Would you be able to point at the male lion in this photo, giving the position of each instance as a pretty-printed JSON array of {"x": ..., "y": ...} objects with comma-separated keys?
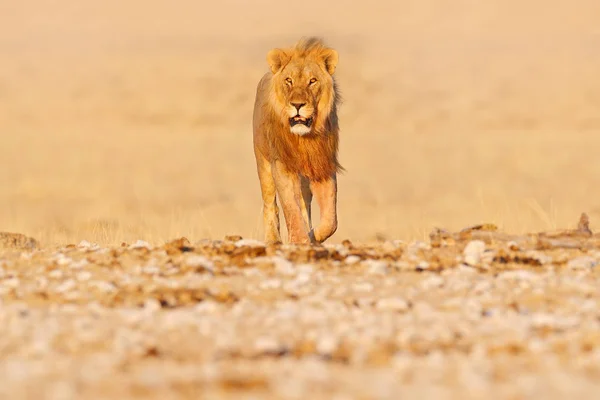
[{"x": 296, "y": 140}]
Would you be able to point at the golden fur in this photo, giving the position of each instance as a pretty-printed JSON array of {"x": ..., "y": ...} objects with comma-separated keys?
[{"x": 296, "y": 130}]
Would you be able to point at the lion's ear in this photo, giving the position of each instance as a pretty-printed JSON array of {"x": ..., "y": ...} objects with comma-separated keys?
[
  {"x": 277, "y": 58},
  {"x": 330, "y": 58}
]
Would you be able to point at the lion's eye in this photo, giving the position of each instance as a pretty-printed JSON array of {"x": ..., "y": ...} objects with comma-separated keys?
[
  {"x": 288, "y": 81},
  {"x": 313, "y": 80}
]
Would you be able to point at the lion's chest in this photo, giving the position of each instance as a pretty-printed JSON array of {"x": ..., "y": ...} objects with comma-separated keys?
[{"x": 311, "y": 156}]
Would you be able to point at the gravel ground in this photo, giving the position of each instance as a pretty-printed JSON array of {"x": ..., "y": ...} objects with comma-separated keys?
[{"x": 466, "y": 315}]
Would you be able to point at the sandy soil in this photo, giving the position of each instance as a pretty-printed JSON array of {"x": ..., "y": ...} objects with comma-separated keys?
[
  {"x": 477, "y": 314},
  {"x": 132, "y": 120}
]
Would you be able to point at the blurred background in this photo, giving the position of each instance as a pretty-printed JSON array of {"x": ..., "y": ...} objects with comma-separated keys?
[{"x": 127, "y": 119}]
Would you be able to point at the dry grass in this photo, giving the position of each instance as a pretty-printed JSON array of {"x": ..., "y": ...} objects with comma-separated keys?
[{"x": 132, "y": 120}]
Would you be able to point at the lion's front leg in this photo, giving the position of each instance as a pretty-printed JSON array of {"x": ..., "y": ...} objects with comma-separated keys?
[
  {"x": 305, "y": 204},
  {"x": 326, "y": 194},
  {"x": 289, "y": 191},
  {"x": 267, "y": 189}
]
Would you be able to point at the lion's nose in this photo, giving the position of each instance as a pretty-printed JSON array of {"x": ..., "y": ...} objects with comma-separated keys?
[{"x": 298, "y": 105}]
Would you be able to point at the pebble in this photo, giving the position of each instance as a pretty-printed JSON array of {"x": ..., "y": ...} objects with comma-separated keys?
[
  {"x": 350, "y": 260},
  {"x": 392, "y": 303},
  {"x": 66, "y": 286},
  {"x": 198, "y": 261},
  {"x": 283, "y": 266},
  {"x": 422, "y": 265},
  {"x": 84, "y": 276},
  {"x": 376, "y": 267},
  {"x": 583, "y": 262},
  {"x": 473, "y": 252},
  {"x": 270, "y": 284},
  {"x": 327, "y": 344},
  {"x": 249, "y": 243},
  {"x": 363, "y": 287},
  {"x": 266, "y": 344},
  {"x": 140, "y": 244}
]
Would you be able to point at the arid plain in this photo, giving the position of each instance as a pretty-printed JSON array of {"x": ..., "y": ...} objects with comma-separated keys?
[
  {"x": 125, "y": 125},
  {"x": 132, "y": 120}
]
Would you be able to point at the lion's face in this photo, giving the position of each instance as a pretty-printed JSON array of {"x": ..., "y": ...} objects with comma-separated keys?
[{"x": 303, "y": 87}]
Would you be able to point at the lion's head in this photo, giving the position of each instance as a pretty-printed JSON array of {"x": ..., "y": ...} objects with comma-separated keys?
[{"x": 303, "y": 88}]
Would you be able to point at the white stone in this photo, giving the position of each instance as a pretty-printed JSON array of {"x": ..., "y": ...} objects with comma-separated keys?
[
  {"x": 393, "y": 303},
  {"x": 350, "y": 260},
  {"x": 198, "y": 261},
  {"x": 140, "y": 244},
  {"x": 473, "y": 252},
  {"x": 327, "y": 344},
  {"x": 66, "y": 286},
  {"x": 249, "y": 243},
  {"x": 363, "y": 287},
  {"x": 283, "y": 266},
  {"x": 84, "y": 276},
  {"x": 583, "y": 262},
  {"x": 266, "y": 344},
  {"x": 270, "y": 284},
  {"x": 376, "y": 267},
  {"x": 79, "y": 264}
]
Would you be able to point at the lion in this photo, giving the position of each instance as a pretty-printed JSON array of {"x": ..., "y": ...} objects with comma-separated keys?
[{"x": 295, "y": 137}]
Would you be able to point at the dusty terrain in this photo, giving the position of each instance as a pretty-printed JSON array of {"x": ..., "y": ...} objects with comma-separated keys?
[{"x": 476, "y": 314}]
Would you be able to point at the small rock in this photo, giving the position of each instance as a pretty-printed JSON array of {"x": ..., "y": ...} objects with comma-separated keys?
[
  {"x": 66, "y": 286},
  {"x": 12, "y": 282},
  {"x": 421, "y": 265},
  {"x": 55, "y": 274},
  {"x": 363, "y": 287},
  {"x": 432, "y": 282},
  {"x": 207, "y": 307},
  {"x": 521, "y": 275},
  {"x": 539, "y": 256},
  {"x": 249, "y": 243},
  {"x": 473, "y": 252},
  {"x": 61, "y": 259},
  {"x": 151, "y": 270},
  {"x": 270, "y": 284},
  {"x": 233, "y": 238},
  {"x": 393, "y": 303},
  {"x": 327, "y": 344},
  {"x": 376, "y": 267},
  {"x": 151, "y": 305},
  {"x": 583, "y": 262},
  {"x": 305, "y": 269},
  {"x": 283, "y": 266},
  {"x": 302, "y": 278},
  {"x": 512, "y": 245},
  {"x": 266, "y": 345},
  {"x": 402, "y": 265},
  {"x": 79, "y": 264},
  {"x": 84, "y": 244},
  {"x": 140, "y": 244},
  {"x": 197, "y": 261},
  {"x": 84, "y": 276},
  {"x": 105, "y": 286},
  {"x": 352, "y": 260}
]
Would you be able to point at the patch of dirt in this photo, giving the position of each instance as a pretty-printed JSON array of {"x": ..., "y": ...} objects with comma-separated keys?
[{"x": 469, "y": 313}]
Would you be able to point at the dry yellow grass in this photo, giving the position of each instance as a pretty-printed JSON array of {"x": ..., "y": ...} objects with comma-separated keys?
[{"x": 132, "y": 120}]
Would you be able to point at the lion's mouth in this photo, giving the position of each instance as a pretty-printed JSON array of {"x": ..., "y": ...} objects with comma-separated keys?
[{"x": 301, "y": 120}]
